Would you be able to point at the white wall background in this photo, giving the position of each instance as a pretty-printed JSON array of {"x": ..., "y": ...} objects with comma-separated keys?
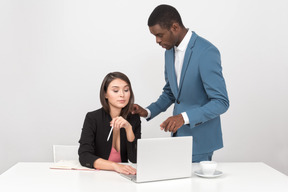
[{"x": 54, "y": 55}]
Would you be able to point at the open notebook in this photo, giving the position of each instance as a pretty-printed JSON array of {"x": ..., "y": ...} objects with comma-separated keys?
[{"x": 69, "y": 165}]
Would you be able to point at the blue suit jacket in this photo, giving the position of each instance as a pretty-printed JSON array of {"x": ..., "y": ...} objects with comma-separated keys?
[{"x": 201, "y": 94}]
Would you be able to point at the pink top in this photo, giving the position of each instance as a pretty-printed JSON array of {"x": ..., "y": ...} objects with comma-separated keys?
[{"x": 115, "y": 156}]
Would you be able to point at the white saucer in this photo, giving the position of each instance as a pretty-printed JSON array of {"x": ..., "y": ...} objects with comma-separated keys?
[{"x": 216, "y": 174}]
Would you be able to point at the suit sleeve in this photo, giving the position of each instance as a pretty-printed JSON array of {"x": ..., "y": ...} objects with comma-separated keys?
[
  {"x": 132, "y": 146},
  {"x": 214, "y": 84},
  {"x": 165, "y": 100},
  {"x": 86, "y": 150}
]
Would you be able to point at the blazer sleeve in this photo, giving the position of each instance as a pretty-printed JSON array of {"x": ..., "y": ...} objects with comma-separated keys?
[
  {"x": 86, "y": 150},
  {"x": 165, "y": 100},
  {"x": 214, "y": 84},
  {"x": 132, "y": 146}
]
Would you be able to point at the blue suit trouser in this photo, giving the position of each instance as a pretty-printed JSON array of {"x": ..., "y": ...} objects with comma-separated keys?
[{"x": 202, "y": 157}]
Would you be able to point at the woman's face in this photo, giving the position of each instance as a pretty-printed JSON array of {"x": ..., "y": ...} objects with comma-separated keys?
[{"x": 118, "y": 94}]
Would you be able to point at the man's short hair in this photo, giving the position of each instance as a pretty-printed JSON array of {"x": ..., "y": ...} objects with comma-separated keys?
[{"x": 165, "y": 16}]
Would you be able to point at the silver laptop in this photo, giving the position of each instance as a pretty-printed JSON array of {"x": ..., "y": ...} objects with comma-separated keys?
[{"x": 163, "y": 158}]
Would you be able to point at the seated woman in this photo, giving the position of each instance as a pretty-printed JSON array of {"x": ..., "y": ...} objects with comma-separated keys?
[{"x": 100, "y": 150}]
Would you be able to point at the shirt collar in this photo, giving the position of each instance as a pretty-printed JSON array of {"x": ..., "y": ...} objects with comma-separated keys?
[{"x": 184, "y": 43}]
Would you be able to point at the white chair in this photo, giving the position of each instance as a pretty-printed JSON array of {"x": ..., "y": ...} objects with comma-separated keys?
[{"x": 65, "y": 152}]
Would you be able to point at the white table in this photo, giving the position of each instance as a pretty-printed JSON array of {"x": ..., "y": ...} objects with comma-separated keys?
[{"x": 244, "y": 177}]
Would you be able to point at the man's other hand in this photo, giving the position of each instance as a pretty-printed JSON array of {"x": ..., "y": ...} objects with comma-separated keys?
[{"x": 173, "y": 123}]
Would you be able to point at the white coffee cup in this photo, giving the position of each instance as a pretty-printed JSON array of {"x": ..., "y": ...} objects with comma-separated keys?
[{"x": 208, "y": 167}]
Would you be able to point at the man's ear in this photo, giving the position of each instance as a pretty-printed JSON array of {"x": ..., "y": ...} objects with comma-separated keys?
[{"x": 175, "y": 27}]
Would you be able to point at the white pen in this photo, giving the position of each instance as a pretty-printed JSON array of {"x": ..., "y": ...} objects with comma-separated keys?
[{"x": 109, "y": 133}]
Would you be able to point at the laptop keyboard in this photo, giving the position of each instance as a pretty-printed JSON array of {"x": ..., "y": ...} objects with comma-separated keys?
[{"x": 131, "y": 177}]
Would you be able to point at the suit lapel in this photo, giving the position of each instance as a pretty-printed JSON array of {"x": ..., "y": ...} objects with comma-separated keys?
[
  {"x": 171, "y": 73},
  {"x": 187, "y": 58}
]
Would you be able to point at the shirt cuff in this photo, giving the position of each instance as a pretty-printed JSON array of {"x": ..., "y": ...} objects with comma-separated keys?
[
  {"x": 149, "y": 113},
  {"x": 185, "y": 117}
]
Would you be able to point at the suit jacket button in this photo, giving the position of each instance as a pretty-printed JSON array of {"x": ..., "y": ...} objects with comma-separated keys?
[
  {"x": 198, "y": 123},
  {"x": 178, "y": 102}
]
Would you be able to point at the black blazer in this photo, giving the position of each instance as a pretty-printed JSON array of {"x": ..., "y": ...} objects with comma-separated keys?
[{"x": 95, "y": 131}]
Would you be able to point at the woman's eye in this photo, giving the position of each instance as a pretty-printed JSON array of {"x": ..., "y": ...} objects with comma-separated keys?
[
  {"x": 115, "y": 91},
  {"x": 126, "y": 90}
]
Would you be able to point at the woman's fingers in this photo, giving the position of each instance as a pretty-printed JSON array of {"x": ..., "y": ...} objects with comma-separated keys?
[
  {"x": 130, "y": 170},
  {"x": 118, "y": 122},
  {"x": 126, "y": 169}
]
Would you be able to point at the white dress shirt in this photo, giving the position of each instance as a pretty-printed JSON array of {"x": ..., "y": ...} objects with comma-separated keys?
[{"x": 179, "y": 59}]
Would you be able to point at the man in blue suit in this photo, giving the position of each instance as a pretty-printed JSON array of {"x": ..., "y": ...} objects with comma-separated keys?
[{"x": 194, "y": 84}]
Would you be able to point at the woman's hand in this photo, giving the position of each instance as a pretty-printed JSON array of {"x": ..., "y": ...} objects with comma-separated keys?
[
  {"x": 126, "y": 169},
  {"x": 119, "y": 122}
]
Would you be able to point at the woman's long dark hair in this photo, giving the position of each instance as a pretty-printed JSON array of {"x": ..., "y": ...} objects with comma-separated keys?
[{"x": 103, "y": 90}]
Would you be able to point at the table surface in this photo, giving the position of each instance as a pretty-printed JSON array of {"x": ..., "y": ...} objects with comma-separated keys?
[{"x": 31, "y": 176}]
